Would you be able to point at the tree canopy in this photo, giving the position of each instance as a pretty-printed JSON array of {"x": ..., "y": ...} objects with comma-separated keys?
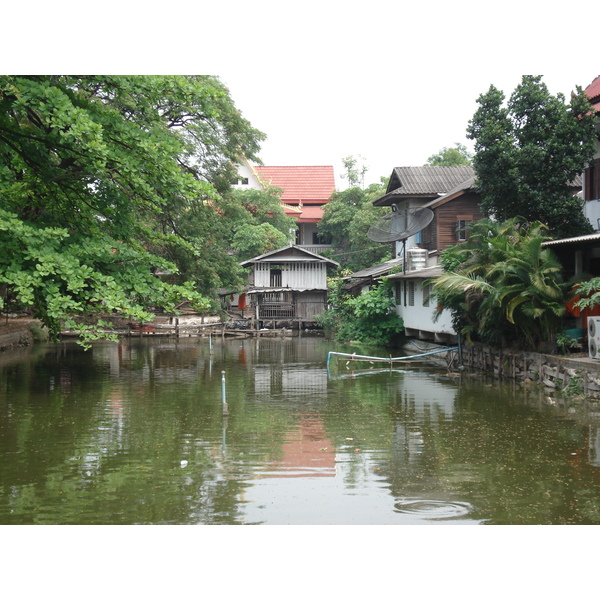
[
  {"x": 459, "y": 155},
  {"x": 347, "y": 218},
  {"x": 107, "y": 183},
  {"x": 529, "y": 152}
]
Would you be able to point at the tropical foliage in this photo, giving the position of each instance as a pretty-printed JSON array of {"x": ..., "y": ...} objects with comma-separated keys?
[
  {"x": 369, "y": 318},
  {"x": 112, "y": 186},
  {"x": 529, "y": 152},
  {"x": 589, "y": 293},
  {"x": 347, "y": 218},
  {"x": 502, "y": 286}
]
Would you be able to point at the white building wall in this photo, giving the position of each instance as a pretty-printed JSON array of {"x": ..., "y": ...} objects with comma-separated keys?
[
  {"x": 591, "y": 210},
  {"x": 421, "y": 317},
  {"x": 262, "y": 275},
  {"x": 297, "y": 276},
  {"x": 245, "y": 172},
  {"x": 304, "y": 276}
]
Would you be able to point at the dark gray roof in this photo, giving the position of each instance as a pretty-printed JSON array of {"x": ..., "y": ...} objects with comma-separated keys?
[
  {"x": 423, "y": 182},
  {"x": 380, "y": 269},
  {"x": 290, "y": 253},
  {"x": 426, "y": 273},
  {"x": 468, "y": 184}
]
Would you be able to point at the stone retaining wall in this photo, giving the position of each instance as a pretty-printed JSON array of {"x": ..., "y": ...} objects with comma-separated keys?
[{"x": 557, "y": 372}]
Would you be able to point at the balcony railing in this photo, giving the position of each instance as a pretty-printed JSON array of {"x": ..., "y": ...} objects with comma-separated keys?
[{"x": 316, "y": 248}]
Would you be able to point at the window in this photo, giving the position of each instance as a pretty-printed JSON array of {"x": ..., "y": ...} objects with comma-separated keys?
[
  {"x": 425, "y": 235},
  {"x": 591, "y": 185},
  {"x": 461, "y": 230},
  {"x": 411, "y": 292},
  {"x": 426, "y": 295}
]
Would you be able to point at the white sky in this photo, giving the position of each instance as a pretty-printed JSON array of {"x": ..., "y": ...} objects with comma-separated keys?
[{"x": 388, "y": 81}]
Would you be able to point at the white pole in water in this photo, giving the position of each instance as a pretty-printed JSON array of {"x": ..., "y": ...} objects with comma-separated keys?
[
  {"x": 210, "y": 342},
  {"x": 224, "y": 396}
]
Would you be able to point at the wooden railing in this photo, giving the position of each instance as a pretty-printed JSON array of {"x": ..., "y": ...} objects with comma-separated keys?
[{"x": 276, "y": 310}]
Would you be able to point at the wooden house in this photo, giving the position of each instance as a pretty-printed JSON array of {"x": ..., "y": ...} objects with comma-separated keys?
[
  {"x": 449, "y": 193},
  {"x": 288, "y": 285},
  {"x": 424, "y": 187}
]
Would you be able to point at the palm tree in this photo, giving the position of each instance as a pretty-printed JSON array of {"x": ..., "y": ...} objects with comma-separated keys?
[{"x": 502, "y": 286}]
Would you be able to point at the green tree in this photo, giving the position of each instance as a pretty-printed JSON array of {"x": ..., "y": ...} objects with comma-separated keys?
[
  {"x": 369, "y": 318},
  {"x": 528, "y": 153},
  {"x": 502, "y": 286},
  {"x": 98, "y": 175},
  {"x": 347, "y": 218},
  {"x": 355, "y": 175},
  {"x": 258, "y": 221},
  {"x": 231, "y": 227},
  {"x": 459, "y": 155},
  {"x": 253, "y": 240}
]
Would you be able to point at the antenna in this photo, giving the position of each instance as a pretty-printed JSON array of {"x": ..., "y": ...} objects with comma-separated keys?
[{"x": 400, "y": 224}]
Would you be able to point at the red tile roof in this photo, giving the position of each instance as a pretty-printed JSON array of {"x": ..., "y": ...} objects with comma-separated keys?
[
  {"x": 311, "y": 185},
  {"x": 593, "y": 92},
  {"x": 307, "y": 214}
]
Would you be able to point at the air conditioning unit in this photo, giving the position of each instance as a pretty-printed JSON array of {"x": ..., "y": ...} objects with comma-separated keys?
[{"x": 594, "y": 337}]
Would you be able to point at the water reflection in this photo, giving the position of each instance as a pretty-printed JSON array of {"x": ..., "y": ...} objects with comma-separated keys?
[{"x": 135, "y": 433}]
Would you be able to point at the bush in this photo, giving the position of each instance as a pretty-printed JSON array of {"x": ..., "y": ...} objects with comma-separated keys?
[{"x": 368, "y": 319}]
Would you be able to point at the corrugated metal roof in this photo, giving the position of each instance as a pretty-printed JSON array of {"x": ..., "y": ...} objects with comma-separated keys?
[
  {"x": 424, "y": 182},
  {"x": 290, "y": 253},
  {"x": 282, "y": 289},
  {"x": 432, "y": 180},
  {"x": 376, "y": 270},
  {"x": 426, "y": 273},
  {"x": 309, "y": 184},
  {"x": 466, "y": 185},
  {"x": 592, "y": 237}
]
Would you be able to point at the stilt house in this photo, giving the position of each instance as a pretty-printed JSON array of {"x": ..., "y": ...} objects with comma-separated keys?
[{"x": 288, "y": 285}]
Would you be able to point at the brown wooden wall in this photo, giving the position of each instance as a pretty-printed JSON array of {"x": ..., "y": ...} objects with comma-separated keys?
[
  {"x": 310, "y": 304},
  {"x": 441, "y": 233},
  {"x": 591, "y": 180}
]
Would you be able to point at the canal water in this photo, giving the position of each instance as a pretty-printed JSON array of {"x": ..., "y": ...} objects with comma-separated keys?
[{"x": 135, "y": 433}]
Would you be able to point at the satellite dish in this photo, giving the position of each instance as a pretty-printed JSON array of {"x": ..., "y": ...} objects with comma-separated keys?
[{"x": 400, "y": 225}]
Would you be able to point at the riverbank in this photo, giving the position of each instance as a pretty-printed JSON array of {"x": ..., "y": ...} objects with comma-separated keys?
[
  {"x": 580, "y": 375},
  {"x": 18, "y": 332},
  {"x": 575, "y": 375}
]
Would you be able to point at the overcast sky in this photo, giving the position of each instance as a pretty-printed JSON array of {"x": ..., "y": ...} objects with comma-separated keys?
[{"x": 390, "y": 82}]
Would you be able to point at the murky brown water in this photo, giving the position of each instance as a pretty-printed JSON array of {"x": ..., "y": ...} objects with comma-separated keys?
[{"x": 135, "y": 433}]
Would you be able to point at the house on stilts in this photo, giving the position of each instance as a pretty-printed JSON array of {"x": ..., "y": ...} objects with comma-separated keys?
[{"x": 287, "y": 287}]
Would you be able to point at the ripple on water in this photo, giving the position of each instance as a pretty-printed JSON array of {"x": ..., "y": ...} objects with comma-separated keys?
[{"x": 434, "y": 510}]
